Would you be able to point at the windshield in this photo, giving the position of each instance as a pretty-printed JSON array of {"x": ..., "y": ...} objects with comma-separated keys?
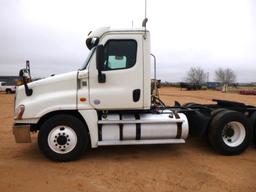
[{"x": 87, "y": 59}]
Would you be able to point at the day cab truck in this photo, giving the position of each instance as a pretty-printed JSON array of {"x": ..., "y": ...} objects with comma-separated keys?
[{"x": 109, "y": 101}]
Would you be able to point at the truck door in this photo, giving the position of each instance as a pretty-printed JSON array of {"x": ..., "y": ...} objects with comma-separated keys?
[{"x": 123, "y": 67}]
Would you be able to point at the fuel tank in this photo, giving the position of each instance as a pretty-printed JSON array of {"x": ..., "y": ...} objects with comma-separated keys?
[{"x": 145, "y": 126}]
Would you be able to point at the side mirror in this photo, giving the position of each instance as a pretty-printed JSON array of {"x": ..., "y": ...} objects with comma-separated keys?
[
  {"x": 100, "y": 63},
  {"x": 100, "y": 57},
  {"x": 24, "y": 74}
]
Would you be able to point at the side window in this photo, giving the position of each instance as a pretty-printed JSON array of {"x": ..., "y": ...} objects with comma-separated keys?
[{"x": 120, "y": 54}]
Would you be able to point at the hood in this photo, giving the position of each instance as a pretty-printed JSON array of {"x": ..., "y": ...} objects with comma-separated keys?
[{"x": 55, "y": 92}]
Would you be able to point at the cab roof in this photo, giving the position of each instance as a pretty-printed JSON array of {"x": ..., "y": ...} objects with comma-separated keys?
[{"x": 100, "y": 31}]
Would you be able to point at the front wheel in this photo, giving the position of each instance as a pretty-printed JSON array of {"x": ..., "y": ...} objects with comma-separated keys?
[
  {"x": 63, "y": 138},
  {"x": 230, "y": 132}
]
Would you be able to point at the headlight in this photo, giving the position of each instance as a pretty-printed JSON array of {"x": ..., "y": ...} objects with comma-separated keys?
[{"x": 19, "y": 112}]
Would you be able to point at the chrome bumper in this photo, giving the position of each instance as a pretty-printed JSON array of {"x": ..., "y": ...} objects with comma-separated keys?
[{"x": 22, "y": 133}]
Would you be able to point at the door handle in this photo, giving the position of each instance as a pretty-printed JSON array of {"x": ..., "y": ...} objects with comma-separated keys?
[{"x": 136, "y": 95}]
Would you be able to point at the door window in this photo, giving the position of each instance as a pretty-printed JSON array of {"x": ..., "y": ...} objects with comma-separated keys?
[{"x": 120, "y": 54}]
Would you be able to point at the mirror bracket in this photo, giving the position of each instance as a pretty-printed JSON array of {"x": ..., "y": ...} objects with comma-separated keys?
[
  {"x": 101, "y": 77},
  {"x": 24, "y": 75},
  {"x": 28, "y": 91}
]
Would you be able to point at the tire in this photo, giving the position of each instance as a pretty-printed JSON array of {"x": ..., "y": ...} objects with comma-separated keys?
[
  {"x": 213, "y": 114},
  {"x": 63, "y": 138},
  {"x": 253, "y": 122},
  {"x": 188, "y": 104},
  {"x": 8, "y": 91},
  {"x": 216, "y": 111},
  {"x": 195, "y": 105},
  {"x": 230, "y": 132}
]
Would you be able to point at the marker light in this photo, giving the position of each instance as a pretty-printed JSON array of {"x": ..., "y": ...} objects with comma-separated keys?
[{"x": 19, "y": 112}]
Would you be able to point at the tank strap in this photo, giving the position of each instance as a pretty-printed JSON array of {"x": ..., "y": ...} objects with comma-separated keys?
[
  {"x": 121, "y": 128},
  {"x": 100, "y": 129},
  {"x": 179, "y": 126},
  {"x": 138, "y": 127},
  {"x": 179, "y": 130}
]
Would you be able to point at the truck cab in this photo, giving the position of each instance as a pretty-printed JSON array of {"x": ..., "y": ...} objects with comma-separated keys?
[{"x": 124, "y": 69}]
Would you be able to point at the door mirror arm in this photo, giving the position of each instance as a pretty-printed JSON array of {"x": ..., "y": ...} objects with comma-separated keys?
[{"x": 101, "y": 77}]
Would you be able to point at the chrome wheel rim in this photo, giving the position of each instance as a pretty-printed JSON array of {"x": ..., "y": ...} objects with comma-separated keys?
[
  {"x": 233, "y": 134},
  {"x": 62, "y": 139}
]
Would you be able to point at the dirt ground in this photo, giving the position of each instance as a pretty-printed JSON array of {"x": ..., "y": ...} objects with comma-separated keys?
[{"x": 193, "y": 166}]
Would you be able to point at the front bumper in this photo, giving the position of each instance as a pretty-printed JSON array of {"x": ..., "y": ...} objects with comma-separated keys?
[{"x": 22, "y": 133}]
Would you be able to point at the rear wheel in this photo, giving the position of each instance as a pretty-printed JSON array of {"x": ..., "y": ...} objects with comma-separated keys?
[
  {"x": 216, "y": 111},
  {"x": 63, "y": 138},
  {"x": 230, "y": 132},
  {"x": 253, "y": 121}
]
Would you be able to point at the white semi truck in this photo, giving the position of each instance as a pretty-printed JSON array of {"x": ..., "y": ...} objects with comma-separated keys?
[{"x": 109, "y": 101}]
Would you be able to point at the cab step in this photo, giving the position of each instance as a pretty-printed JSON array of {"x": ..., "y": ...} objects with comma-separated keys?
[{"x": 141, "y": 142}]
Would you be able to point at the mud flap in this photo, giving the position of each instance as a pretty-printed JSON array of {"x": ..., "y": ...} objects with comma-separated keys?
[
  {"x": 198, "y": 122},
  {"x": 22, "y": 133}
]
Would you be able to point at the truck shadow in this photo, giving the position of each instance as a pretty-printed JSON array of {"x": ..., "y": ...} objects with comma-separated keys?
[
  {"x": 193, "y": 145},
  {"x": 197, "y": 146},
  {"x": 32, "y": 153}
]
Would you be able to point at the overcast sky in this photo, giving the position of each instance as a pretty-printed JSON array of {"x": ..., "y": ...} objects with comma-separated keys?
[{"x": 184, "y": 33}]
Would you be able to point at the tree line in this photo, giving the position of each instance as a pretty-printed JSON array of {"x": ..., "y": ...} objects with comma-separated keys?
[{"x": 197, "y": 75}]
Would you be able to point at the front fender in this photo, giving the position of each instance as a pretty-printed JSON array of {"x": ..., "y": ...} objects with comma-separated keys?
[{"x": 51, "y": 94}]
